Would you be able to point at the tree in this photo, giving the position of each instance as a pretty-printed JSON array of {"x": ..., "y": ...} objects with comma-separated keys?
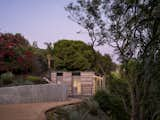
[
  {"x": 72, "y": 55},
  {"x": 76, "y": 55},
  {"x": 15, "y": 53},
  {"x": 81, "y": 14},
  {"x": 90, "y": 24},
  {"x": 49, "y": 56},
  {"x": 132, "y": 27},
  {"x": 104, "y": 66},
  {"x": 49, "y": 53},
  {"x": 39, "y": 60}
]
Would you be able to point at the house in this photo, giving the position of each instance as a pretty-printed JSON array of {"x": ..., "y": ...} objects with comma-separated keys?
[{"x": 79, "y": 83}]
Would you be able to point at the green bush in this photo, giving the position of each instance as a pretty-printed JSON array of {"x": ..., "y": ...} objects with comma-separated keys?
[
  {"x": 35, "y": 79},
  {"x": 87, "y": 110},
  {"x": 6, "y": 78},
  {"x": 21, "y": 81},
  {"x": 118, "y": 86},
  {"x": 112, "y": 105}
]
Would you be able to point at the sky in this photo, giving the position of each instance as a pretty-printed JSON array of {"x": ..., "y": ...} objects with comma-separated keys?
[{"x": 42, "y": 21}]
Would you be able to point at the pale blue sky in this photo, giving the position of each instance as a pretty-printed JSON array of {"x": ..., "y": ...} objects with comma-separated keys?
[{"x": 41, "y": 21}]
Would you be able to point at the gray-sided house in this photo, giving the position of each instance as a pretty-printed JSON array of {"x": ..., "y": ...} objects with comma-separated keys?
[{"x": 79, "y": 83}]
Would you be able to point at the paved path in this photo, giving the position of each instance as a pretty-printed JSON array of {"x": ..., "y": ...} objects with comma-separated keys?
[{"x": 33, "y": 111}]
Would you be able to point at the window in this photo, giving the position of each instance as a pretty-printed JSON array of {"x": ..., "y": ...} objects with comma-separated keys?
[
  {"x": 76, "y": 73},
  {"x": 59, "y": 74}
]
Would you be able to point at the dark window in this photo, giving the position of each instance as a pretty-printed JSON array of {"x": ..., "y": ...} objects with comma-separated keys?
[
  {"x": 59, "y": 74},
  {"x": 76, "y": 73}
]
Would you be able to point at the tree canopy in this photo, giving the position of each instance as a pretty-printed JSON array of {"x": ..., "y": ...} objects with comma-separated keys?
[
  {"x": 76, "y": 55},
  {"x": 72, "y": 55}
]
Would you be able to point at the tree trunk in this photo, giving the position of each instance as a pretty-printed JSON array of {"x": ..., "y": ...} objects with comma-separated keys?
[
  {"x": 134, "y": 111},
  {"x": 135, "y": 103}
]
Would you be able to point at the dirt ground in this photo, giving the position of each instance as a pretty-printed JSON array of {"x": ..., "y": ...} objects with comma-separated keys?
[{"x": 31, "y": 111}]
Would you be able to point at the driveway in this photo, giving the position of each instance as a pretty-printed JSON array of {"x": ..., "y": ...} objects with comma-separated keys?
[{"x": 31, "y": 111}]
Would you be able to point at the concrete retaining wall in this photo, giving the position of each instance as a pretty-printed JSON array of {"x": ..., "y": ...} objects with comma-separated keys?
[{"x": 33, "y": 93}]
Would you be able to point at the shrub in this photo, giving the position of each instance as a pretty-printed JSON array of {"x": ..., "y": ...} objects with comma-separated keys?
[
  {"x": 7, "y": 78},
  {"x": 87, "y": 110},
  {"x": 35, "y": 79},
  {"x": 112, "y": 105},
  {"x": 21, "y": 81}
]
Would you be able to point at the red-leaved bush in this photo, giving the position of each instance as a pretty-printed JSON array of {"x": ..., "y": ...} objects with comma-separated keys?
[{"x": 15, "y": 53}]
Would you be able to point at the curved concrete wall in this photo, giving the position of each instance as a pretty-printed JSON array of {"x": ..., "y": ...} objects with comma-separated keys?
[{"x": 33, "y": 93}]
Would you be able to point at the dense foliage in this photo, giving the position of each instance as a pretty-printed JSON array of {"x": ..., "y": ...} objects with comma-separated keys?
[
  {"x": 18, "y": 58},
  {"x": 72, "y": 55},
  {"x": 76, "y": 55},
  {"x": 15, "y": 53},
  {"x": 112, "y": 105},
  {"x": 132, "y": 28},
  {"x": 87, "y": 110}
]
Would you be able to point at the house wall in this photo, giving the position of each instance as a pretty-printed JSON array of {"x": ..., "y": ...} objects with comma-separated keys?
[
  {"x": 86, "y": 83},
  {"x": 67, "y": 80}
]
